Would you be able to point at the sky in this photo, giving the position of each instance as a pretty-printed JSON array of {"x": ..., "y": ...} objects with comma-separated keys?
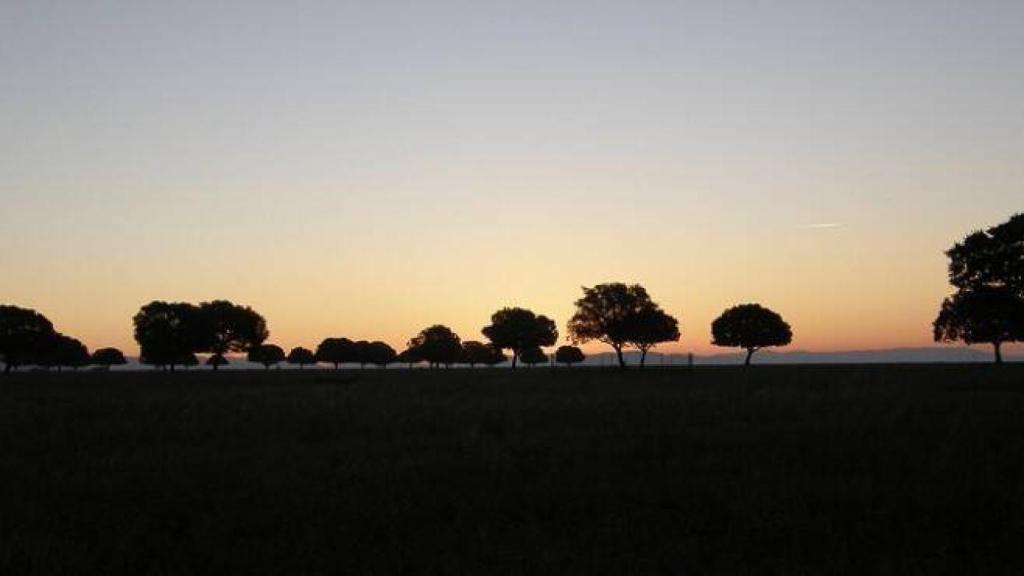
[{"x": 367, "y": 169}]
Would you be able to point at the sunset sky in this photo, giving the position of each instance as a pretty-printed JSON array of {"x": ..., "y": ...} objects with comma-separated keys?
[{"x": 367, "y": 169}]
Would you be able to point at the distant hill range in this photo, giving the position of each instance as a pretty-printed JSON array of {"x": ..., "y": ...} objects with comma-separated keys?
[{"x": 924, "y": 355}]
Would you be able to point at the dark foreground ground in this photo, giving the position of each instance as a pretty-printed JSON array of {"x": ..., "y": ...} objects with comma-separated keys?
[{"x": 784, "y": 470}]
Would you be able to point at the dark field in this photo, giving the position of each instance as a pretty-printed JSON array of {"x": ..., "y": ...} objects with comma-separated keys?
[{"x": 773, "y": 470}]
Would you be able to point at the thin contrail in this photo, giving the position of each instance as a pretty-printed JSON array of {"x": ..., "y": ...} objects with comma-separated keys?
[{"x": 820, "y": 226}]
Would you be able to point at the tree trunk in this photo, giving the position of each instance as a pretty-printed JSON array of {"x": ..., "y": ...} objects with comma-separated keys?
[
  {"x": 750, "y": 352},
  {"x": 7, "y": 367},
  {"x": 618, "y": 354},
  {"x": 515, "y": 355},
  {"x": 643, "y": 356},
  {"x": 999, "y": 352}
]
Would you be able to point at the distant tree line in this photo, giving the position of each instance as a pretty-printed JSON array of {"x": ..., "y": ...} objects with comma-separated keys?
[{"x": 986, "y": 268}]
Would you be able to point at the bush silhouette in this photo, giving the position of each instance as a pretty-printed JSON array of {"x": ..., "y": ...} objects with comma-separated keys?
[
  {"x": 474, "y": 352},
  {"x": 216, "y": 361}
]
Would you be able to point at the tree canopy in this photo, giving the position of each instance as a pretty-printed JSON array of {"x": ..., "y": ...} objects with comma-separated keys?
[
  {"x": 992, "y": 258},
  {"x": 518, "y": 329},
  {"x": 266, "y": 354},
  {"x": 569, "y": 355},
  {"x": 751, "y": 327},
  {"x": 987, "y": 269},
  {"x": 168, "y": 333},
  {"x": 619, "y": 315},
  {"x": 335, "y": 351},
  {"x": 533, "y": 355},
  {"x": 23, "y": 335},
  {"x": 301, "y": 357},
  {"x": 60, "y": 351},
  {"x": 649, "y": 327},
  {"x": 226, "y": 327},
  {"x": 437, "y": 345},
  {"x": 474, "y": 352},
  {"x": 983, "y": 315},
  {"x": 108, "y": 357}
]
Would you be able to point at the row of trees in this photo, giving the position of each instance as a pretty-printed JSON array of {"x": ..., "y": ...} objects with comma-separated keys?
[
  {"x": 28, "y": 338},
  {"x": 171, "y": 334},
  {"x": 987, "y": 270}
]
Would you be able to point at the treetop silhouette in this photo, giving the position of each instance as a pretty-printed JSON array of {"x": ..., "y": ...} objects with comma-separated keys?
[
  {"x": 518, "y": 329},
  {"x": 751, "y": 327}
]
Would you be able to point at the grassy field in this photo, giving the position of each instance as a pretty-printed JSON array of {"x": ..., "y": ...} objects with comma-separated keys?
[{"x": 772, "y": 470}]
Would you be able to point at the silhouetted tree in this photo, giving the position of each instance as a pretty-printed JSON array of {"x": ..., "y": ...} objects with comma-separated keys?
[
  {"x": 227, "y": 327},
  {"x": 362, "y": 353},
  {"x": 335, "y": 351},
  {"x": 474, "y": 352},
  {"x": 533, "y": 355},
  {"x": 607, "y": 313},
  {"x": 266, "y": 354},
  {"x": 302, "y": 357},
  {"x": 63, "y": 351},
  {"x": 569, "y": 355},
  {"x": 108, "y": 357},
  {"x": 983, "y": 315},
  {"x": 381, "y": 354},
  {"x": 518, "y": 329},
  {"x": 987, "y": 268},
  {"x": 751, "y": 327},
  {"x": 993, "y": 258},
  {"x": 23, "y": 333},
  {"x": 217, "y": 360},
  {"x": 437, "y": 345},
  {"x": 409, "y": 356},
  {"x": 168, "y": 333},
  {"x": 649, "y": 327}
]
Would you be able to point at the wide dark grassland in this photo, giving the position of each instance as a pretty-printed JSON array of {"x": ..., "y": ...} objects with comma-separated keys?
[{"x": 771, "y": 470}]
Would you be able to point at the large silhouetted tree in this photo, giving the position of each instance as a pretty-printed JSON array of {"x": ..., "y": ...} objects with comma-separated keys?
[
  {"x": 168, "y": 333},
  {"x": 107, "y": 357},
  {"x": 23, "y": 334},
  {"x": 474, "y": 352},
  {"x": 518, "y": 329},
  {"x": 266, "y": 354},
  {"x": 649, "y": 327},
  {"x": 227, "y": 327},
  {"x": 609, "y": 313},
  {"x": 751, "y": 327},
  {"x": 437, "y": 345},
  {"x": 335, "y": 351},
  {"x": 362, "y": 351},
  {"x": 984, "y": 315},
  {"x": 301, "y": 357},
  {"x": 987, "y": 268},
  {"x": 569, "y": 355}
]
